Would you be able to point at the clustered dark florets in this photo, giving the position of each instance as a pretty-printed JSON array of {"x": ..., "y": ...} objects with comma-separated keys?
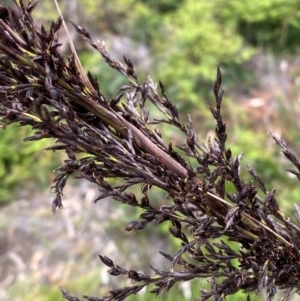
[{"x": 115, "y": 139}]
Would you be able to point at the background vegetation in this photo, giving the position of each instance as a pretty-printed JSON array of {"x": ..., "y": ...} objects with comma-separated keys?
[{"x": 181, "y": 43}]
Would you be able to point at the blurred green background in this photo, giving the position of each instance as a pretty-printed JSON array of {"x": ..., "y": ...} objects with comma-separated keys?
[{"x": 180, "y": 42}]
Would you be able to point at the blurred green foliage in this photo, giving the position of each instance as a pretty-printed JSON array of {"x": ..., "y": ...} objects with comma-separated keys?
[
  {"x": 272, "y": 24},
  {"x": 23, "y": 164},
  {"x": 189, "y": 38}
]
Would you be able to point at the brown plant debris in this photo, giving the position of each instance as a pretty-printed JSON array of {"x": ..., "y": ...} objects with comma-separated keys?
[{"x": 115, "y": 139}]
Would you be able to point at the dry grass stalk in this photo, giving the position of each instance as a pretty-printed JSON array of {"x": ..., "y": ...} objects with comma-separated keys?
[{"x": 49, "y": 92}]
